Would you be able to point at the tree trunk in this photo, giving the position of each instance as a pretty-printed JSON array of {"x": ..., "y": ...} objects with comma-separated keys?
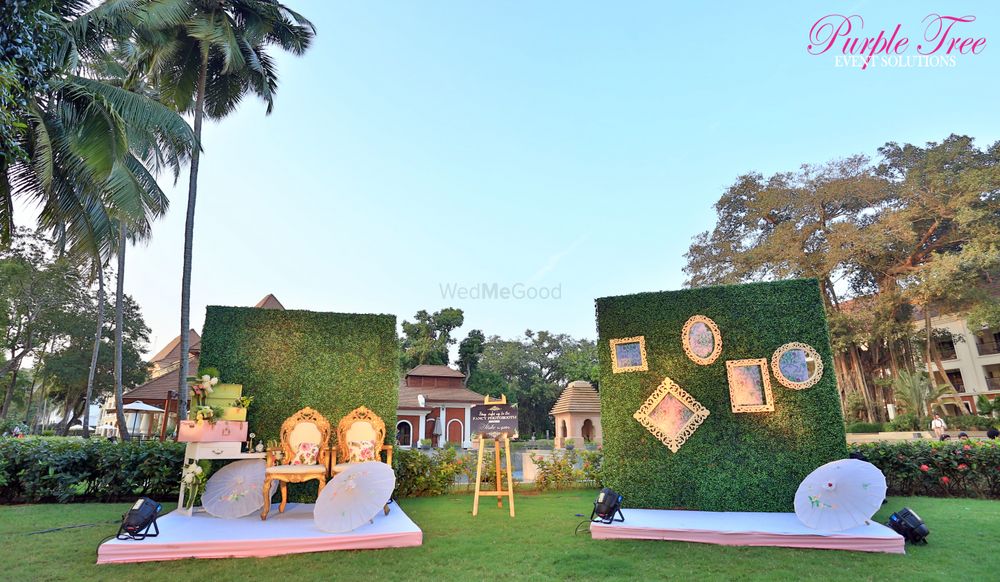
[
  {"x": 9, "y": 397},
  {"x": 199, "y": 114},
  {"x": 119, "y": 322},
  {"x": 97, "y": 349}
]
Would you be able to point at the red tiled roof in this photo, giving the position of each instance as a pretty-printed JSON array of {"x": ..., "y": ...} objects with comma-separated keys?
[
  {"x": 270, "y": 302},
  {"x": 172, "y": 352},
  {"x": 434, "y": 396},
  {"x": 437, "y": 371},
  {"x": 157, "y": 388}
]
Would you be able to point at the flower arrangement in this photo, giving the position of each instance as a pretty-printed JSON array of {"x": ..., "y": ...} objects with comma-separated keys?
[
  {"x": 193, "y": 480},
  {"x": 242, "y": 402},
  {"x": 210, "y": 414},
  {"x": 202, "y": 386}
]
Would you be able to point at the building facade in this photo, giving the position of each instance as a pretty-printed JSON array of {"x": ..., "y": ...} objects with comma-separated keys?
[
  {"x": 435, "y": 404},
  {"x": 970, "y": 358}
]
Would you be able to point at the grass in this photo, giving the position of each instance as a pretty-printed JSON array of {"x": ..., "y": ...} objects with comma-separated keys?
[{"x": 538, "y": 544}]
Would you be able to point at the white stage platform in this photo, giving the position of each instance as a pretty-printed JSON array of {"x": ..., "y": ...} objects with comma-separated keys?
[
  {"x": 745, "y": 529},
  {"x": 292, "y": 532}
]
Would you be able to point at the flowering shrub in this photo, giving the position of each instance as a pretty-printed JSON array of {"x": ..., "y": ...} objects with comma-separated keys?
[
  {"x": 41, "y": 469},
  {"x": 943, "y": 469},
  {"x": 419, "y": 475},
  {"x": 593, "y": 462},
  {"x": 558, "y": 472}
]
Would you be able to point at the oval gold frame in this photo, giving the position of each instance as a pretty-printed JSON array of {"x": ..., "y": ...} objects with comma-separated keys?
[
  {"x": 811, "y": 351},
  {"x": 716, "y": 336}
]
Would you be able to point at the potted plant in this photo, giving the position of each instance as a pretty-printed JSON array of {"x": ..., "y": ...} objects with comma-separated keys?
[
  {"x": 569, "y": 445},
  {"x": 425, "y": 443},
  {"x": 238, "y": 409}
]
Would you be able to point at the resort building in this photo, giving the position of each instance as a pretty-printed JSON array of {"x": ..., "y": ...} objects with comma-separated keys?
[
  {"x": 435, "y": 404},
  {"x": 970, "y": 358}
]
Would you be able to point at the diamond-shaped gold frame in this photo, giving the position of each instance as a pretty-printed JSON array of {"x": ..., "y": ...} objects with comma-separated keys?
[{"x": 673, "y": 441}]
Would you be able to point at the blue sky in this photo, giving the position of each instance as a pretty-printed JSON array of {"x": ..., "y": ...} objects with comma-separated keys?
[{"x": 577, "y": 144}]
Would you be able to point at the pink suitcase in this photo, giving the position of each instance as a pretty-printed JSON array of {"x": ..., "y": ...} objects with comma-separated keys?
[{"x": 223, "y": 431}]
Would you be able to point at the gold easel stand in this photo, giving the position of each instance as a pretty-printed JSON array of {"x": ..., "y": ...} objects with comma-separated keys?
[{"x": 499, "y": 493}]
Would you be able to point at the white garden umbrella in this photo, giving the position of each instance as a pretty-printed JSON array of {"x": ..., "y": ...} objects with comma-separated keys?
[
  {"x": 354, "y": 497},
  {"x": 236, "y": 490},
  {"x": 140, "y": 406},
  {"x": 840, "y": 495}
]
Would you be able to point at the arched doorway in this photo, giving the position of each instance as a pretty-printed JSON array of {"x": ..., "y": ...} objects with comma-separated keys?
[
  {"x": 563, "y": 432},
  {"x": 588, "y": 430},
  {"x": 404, "y": 433},
  {"x": 455, "y": 431}
]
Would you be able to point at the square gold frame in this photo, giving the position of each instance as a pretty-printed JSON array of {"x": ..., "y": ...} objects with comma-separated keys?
[
  {"x": 765, "y": 375},
  {"x": 641, "y": 340},
  {"x": 673, "y": 441}
]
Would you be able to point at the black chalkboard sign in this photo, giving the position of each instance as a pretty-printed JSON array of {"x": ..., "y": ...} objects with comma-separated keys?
[{"x": 493, "y": 420}]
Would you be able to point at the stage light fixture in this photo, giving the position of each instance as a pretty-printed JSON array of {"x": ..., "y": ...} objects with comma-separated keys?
[
  {"x": 908, "y": 524},
  {"x": 608, "y": 504},
  {"x": 137, "y": 521}
]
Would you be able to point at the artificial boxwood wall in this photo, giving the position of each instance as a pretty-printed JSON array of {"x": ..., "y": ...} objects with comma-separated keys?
[
  {"x": 333, "y": 362},
  {"x": 732, "y": 462}
]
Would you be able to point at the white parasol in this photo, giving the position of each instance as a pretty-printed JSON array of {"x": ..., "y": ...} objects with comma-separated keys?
[
  {"x": 236, "y": 490},
  {"x": 354, "y": 497},
  {"x": 840, "y": 495}
]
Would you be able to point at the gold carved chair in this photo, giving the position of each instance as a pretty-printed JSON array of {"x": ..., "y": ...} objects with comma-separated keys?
[
  {"x": 305, "y": 448},
  {"x": 361, "y": 438}
]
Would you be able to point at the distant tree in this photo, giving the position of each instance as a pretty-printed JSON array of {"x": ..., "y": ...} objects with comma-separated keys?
[
  {"x": 470, "y": 351},
  {"x": 427, "y": 339},
  {"x": 920, "y": 229},
  {"x": 532, "y": 371}
]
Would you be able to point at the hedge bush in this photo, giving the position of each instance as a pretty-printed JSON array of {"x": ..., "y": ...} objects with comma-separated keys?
[
  {"x": 333, "y": 362},
  {"x": 46, "y": 469},
  {"x": 969, "y": 468},
  {"x": 865, "y": 427},
  {"x": 732, "y": 462},
  {"x": 419, "y": 475}
]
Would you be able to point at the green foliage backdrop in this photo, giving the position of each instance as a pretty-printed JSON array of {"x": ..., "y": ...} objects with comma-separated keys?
[
  {"x": 333, "y": 362},
  {"x": 732, "y": 462}
]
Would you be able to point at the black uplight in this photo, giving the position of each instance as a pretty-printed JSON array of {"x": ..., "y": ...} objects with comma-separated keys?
[
  {"x": 908, "y": 524},
  {"x": 607, "y": 505}
]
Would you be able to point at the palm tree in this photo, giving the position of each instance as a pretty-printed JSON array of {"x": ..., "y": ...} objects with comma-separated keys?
[
  {"x": 205, "y": 56},
  {"x": 915, "y": 392},
  {"x": 93, "y": 146}
]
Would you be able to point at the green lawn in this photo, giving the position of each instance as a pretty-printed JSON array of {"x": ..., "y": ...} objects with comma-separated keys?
[{"x": 538, "y": 544}]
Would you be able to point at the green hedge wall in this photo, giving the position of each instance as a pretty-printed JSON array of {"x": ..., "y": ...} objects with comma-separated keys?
[
  {"x": 732, "y": 462},
  {"x": 333, "y": 362}
]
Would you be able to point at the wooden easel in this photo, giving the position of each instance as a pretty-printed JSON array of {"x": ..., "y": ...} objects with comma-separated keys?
[{"x": 499, "y": 493}]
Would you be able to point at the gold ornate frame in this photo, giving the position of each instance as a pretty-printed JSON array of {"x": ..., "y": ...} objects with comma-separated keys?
[
  {"x": 716, "y": 336},
  {"x": 811, "y": 351},
  {"x": 668, "y": 387},
  {"x": 761, "y": 363},
  {"x": 641, "y": 340}
]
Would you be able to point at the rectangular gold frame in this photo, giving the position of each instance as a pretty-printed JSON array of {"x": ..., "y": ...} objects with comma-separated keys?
[
  {"x": 641, "y": 340},
  {"x": 765, "y": 375}
]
